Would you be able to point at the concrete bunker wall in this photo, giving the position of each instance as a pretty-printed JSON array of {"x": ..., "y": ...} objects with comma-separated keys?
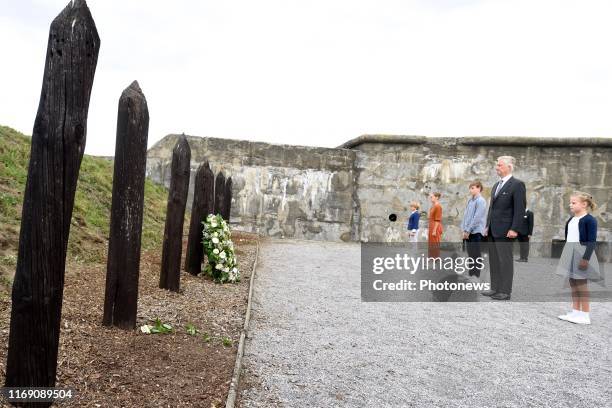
[{"x": 278, "y": 190}]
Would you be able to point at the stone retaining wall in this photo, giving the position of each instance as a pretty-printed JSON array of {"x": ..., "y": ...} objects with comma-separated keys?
[{"x": 391, "y": 174}]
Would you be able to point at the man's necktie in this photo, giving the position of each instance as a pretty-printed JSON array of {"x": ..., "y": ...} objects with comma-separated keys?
[{"x": 499, "y": 187}]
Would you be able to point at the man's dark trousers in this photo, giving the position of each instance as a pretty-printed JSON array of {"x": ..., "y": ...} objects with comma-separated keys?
[
  {"x": 501, "y": 264},
  {"x": 473, "y": 250}
]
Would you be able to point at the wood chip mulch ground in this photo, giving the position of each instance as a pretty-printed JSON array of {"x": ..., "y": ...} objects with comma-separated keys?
[{"x": 117, "y": 368}]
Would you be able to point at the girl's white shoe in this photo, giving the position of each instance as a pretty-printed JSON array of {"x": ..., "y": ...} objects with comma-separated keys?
[
  {"x": 579, "y": 318},
  {"x": 568, "y": 314}
]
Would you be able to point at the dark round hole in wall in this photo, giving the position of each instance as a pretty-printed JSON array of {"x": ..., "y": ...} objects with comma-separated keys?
[{"x": 392, "y": 217}]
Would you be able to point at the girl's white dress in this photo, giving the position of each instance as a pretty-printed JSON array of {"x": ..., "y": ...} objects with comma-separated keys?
[{"x": 573, "y": 252}]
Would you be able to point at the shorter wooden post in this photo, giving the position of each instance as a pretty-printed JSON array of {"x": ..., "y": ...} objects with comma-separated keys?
[
  {"x": 219, "y": 193},
  {"x": 227, "y": 200},
  {"x": 123, "y": 265},
  {"x": 175, "y": 216},
  {"x": 195, "y": 250}
]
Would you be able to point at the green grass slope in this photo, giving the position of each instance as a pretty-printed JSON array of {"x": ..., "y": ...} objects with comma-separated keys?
[{"x": 90, "y": 218}]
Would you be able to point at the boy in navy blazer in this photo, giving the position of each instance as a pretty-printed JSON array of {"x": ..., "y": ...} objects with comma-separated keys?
[{"x": 413, "y": 222}]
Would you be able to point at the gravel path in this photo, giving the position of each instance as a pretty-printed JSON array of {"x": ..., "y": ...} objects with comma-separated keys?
[{"x": 313, "y": 342}]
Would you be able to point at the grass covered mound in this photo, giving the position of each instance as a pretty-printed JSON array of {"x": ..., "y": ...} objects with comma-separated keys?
[{"x": 91, "y": 215}]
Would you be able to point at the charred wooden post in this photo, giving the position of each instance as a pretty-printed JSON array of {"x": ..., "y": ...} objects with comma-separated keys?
[
  {"x": 175, "y": 216},
  {"x": 123, "y": 265},
  {"x": 209, "y": 192},
  {"x": 219, "y": 193},
  {"x": 58, "y": 143},
  {"x": 195, "y": 250},
  {"x": 209, "y": 200},
  {"x": 227, "y": 200}
]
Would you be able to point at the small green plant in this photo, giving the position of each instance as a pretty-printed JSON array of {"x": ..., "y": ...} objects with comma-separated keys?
[
  {"x": 227, "y": 342},
  {"x": 206, "y": 337},
  {"x": 160, "y": 327},
  {"x": 157, "y": 327},
  {"x": 191, "y": 329}
]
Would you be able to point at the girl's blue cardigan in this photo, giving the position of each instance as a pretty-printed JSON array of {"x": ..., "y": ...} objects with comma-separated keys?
[{"x": 587, "y": 226}]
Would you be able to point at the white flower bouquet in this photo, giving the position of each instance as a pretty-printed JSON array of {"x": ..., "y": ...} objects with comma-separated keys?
[{"x": 219, "y": 249}]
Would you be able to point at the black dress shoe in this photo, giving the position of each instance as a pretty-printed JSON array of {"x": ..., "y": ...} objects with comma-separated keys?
[
  {"x": 501, "y": 296},
  {"x": 488, "y": 292}
]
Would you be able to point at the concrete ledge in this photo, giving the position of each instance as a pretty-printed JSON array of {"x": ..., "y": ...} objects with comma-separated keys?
[
  {"x": 535, "y": 141},
  {"x": 232, "y": 394},
  {"x": 526, "y": 141},
  {"x": 168, "y": 141},
  {"x": 397, "y": 139}
]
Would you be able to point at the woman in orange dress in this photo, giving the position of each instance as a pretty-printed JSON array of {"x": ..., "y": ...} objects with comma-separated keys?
[{"x": 435, "y": 226}]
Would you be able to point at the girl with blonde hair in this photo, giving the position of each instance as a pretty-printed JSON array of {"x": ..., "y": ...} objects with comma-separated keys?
[{"x": 578, "y": 260}]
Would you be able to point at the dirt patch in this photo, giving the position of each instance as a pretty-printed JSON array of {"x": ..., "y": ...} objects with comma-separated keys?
[{"x": 112, "y": 367}]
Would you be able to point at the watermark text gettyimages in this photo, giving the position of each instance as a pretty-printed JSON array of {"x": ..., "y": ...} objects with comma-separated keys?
[{"x": 401, "y": 272}]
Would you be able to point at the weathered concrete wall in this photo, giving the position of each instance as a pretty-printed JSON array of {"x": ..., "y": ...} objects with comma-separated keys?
[
  {"x": 278, "y": 190},
  {"x": 391, "y": 173},
  {"x": 348, "y": 193}
]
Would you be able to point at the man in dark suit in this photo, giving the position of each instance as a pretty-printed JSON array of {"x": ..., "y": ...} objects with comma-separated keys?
[
  {"x": 504, "y": 220},
  {"x": 524, "y": 235}
]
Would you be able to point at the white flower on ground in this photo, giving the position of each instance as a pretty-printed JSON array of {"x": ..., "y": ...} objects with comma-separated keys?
[
  {"x": 216, "y": 251},
  {"x": 215, "y": 240},
  {"x": 222, "y": 255},
  {"x": 218, "y": 266},
  {"x": 146, "y": 329},
  {"x": 215, "y": 234}
]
